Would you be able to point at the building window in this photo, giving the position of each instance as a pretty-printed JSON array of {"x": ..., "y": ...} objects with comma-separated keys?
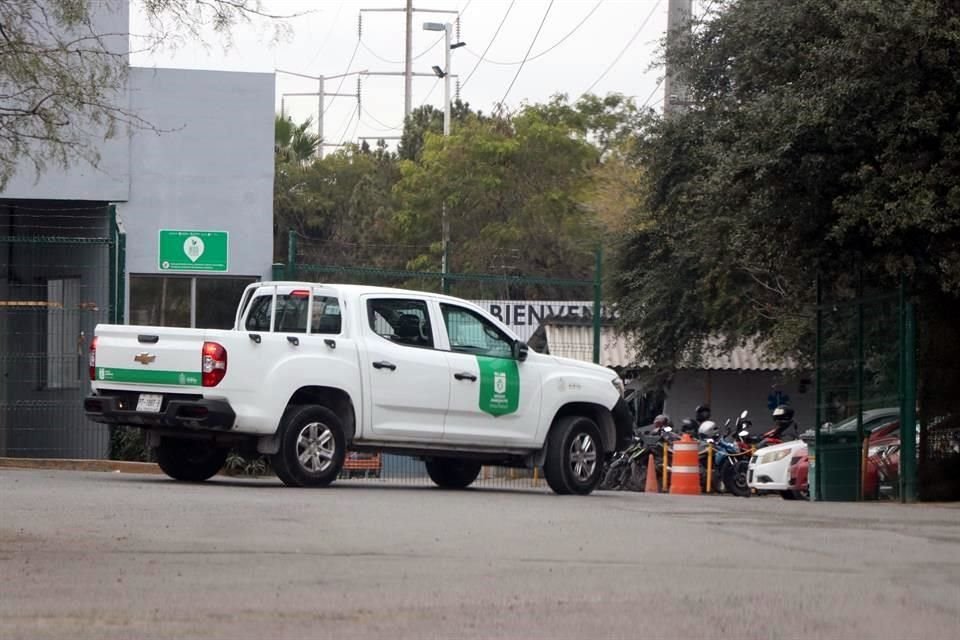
[{"x": 208, "y": 302}]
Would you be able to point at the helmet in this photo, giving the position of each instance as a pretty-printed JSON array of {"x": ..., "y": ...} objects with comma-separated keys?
[
  {"x": 661, "y": 421},
  {"x": 709, "y": 429},
  {"x": 783, "y": 413},
  {"x": 688, "y": 426},
  {"x": 703, "y": 412}
]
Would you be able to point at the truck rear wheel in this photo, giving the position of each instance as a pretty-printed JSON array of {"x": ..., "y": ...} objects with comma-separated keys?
[
  {"x": 451, "y": 473},
  {"x": 190, "y": 460},
  {"x": 574, "y": 456},
  {"x": 312, "y": 447}
]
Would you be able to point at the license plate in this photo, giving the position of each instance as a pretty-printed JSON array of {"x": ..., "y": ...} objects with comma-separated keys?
[{"x": 149, "y": 402}]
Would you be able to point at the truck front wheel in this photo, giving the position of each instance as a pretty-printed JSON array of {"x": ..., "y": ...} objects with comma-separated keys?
[
  {"x": 190, "y": 460},
  {"x": 574, "y": 456},
  {"x": 312, "y": 447},
  {"x": 450, "y": 473}
]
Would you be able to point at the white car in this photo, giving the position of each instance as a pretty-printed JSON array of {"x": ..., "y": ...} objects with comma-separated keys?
[{"x": 769, "y": 468}]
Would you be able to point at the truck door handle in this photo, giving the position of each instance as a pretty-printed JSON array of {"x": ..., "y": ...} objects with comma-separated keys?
[
  {"x": 463, "y": 375},
  {"x": 383, "y": 364},
  {"x": 294, "y": 340},
  {"x": 330, "y": 343},
  {"x": 255, "y": 337}
]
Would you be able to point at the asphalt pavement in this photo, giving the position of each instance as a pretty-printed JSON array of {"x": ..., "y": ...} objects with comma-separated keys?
[{"x": 108, "y": 555}]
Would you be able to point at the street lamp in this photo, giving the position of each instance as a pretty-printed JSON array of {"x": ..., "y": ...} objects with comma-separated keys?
[{"x": 444, "y": 74}]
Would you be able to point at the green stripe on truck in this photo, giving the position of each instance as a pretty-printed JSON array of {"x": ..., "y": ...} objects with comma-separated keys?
[{"x": 149, "y": 376}]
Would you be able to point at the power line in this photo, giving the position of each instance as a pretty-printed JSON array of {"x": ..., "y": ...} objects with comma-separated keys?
[
  {"x": 533, "y": 42},
  {"x": 652, "y": 93},
  {"x": 326, "y": 38},
  {"x": 353, "y": 114},
  {"x": 545, "y": 51},
  {"x": 489, "y": 44},
  {"x": 416, "y": 57},
  {"x": 380, "y": 122},
  {"x": 343, "y": 77},
  {"x": 635, "y": 35},
  {"x": 436, "y": 83}
]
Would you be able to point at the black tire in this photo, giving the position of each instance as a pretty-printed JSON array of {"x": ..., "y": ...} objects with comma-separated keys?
[
  {"x": 788, "y": 495},
  {"x": 312, "y": 447},
  {"x": 735, "y": 479},
  {"x": 574, "y": 456},
  {"x": 190, "y": 460},
  {"x": 452, "y": 473}
]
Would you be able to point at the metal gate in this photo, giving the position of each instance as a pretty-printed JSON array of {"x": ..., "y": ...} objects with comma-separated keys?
[
  {"x": 61, "y": 273},
  {"x": 867, "y": 430}
]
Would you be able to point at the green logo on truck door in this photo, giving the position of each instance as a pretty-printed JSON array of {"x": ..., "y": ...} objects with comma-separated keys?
[{"x": 499, "y": 385}]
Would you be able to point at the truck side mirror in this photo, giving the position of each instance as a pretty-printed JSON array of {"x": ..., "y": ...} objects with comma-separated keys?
[{"x": 520, "y": 350}]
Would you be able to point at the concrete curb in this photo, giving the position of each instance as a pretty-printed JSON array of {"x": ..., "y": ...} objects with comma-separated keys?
[{"x": 55, "y": 464}]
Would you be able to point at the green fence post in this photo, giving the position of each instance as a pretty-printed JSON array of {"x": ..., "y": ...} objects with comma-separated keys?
[
  {"x": 597, "y": 301},
  {"x": 908, "y": 410},
  {"x": 121, "y": 273},
  {"x": 860, "y": 357},
  {"x": 278, "y": 270},
  {"x": 291, "y": 255},
  {"x": 112, "y": 267},
  {"x": 817, "y": 467}
]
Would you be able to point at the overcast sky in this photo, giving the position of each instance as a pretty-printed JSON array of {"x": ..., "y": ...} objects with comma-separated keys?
[{"x": 325, "y": 39}]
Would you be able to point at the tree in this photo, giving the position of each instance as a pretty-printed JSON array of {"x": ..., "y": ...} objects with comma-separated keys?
[
  {"x": 295, "y": 142},
  {"x": 62, "y": 75},
  {"x": 512, "y": 188},
  {"x": 823, "y": 139}
]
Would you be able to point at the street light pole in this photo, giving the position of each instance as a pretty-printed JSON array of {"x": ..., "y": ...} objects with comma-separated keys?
[
  {"x": 445, "y": 74},
  {"x": 446, "y": 78}
]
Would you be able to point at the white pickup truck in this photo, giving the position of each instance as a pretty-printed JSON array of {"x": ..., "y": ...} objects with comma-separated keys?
[{"x": 311, "y": 370}]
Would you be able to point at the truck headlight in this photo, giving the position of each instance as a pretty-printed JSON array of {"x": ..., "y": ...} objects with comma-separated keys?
[{"x": 619, "y": 386}]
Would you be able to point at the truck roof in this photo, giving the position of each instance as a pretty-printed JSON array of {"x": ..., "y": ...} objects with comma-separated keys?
[{"x": 361, "y": 289}]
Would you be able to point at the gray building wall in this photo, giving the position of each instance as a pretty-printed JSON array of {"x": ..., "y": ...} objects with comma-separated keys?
[
  {"x": 730, "y": 392},
  {"x": 211, "y": 169},
  {"x": 110, "y": 179}
]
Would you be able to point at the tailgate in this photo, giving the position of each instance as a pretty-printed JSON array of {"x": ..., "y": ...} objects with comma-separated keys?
[{"x": 130, "y": 357}]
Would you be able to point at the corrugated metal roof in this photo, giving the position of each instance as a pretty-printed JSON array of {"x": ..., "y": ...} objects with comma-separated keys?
[{"x": 571, "y": 341}]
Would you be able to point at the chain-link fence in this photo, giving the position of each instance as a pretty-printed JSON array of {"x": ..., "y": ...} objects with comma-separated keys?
[{"x": 58, "y": 279}]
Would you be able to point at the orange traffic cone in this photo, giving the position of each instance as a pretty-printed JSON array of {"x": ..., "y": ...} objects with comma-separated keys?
[
  {"x": 685, "y": 476},
  {"x": 652, "y": 485}
]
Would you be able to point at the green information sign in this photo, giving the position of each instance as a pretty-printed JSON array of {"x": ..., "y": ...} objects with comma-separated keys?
[{"x": 193, "y": 250}]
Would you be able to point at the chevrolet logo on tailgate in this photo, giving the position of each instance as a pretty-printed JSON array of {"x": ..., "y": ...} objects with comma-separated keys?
[{"x": 144, "y": 358}]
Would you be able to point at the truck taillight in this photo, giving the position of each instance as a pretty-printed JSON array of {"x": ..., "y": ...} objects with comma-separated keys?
[
  {"x": 214, "y": 365},
  {"x": 92, "y": 358}
]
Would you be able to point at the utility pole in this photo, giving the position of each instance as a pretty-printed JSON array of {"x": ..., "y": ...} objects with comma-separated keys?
[
  {"x": 676, "y": 97},
  {"x": 408, "y": 64},
  {"x": 408, "y": 74},
  {"x": 321, "y": 94}
]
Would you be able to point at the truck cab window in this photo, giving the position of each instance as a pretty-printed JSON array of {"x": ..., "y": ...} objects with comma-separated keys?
[
  {"x": 470, "y": 333},
  {"x": 405, "y": 322},
  {"x": 326, "y": 315},
  {"x": 260, "y": 311}
]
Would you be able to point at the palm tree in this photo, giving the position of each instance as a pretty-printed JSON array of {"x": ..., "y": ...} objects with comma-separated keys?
[{"x": 294, "y": 143}]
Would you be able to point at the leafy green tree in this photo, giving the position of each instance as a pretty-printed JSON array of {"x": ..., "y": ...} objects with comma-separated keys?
[
  {"x": 294, "y": 142},
  {"x": 61, "y": 74},
  {"x": 512, "y": 189},
  {"x": 822, "y": 139}
]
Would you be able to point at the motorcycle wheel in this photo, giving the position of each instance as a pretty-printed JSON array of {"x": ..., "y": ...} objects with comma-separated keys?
[
  {"x": 637, "y": 478},
  {"x": 735, "y": 479}
]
